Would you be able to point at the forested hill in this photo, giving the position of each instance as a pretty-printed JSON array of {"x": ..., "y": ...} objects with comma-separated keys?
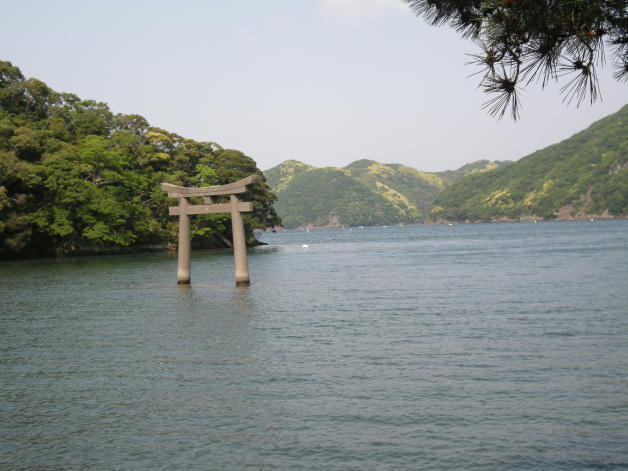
[
  {"x": 77, "y": 178},
  {"x": 365, "y": 192},
  {"x": 584, "y": 176}
]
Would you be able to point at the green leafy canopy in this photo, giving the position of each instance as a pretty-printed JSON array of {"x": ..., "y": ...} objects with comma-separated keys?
[{"x": 75, "y": 177}]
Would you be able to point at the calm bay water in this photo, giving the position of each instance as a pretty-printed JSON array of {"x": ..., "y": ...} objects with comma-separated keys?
[{"x": 485, "y": 346}]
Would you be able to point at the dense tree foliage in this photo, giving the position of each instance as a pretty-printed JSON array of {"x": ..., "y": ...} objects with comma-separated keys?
[
  {"x": 75, "y": 177},
  {"x": 522, "y": 41},
  {"x": 583, "y": 176},
  {"x": 363, "y": 193}
]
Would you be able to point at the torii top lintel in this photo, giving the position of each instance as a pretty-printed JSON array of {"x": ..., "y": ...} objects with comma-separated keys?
[{"x": 175, "y": 191}]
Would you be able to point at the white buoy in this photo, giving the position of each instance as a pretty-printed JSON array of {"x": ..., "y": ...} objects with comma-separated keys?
[{"x": 305, "y": 246}]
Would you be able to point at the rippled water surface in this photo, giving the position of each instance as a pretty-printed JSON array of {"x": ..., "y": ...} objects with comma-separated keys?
[{"x": 486, "y": 346}]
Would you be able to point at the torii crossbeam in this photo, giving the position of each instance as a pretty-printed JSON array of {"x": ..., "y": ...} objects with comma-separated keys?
[{"x": 235, "y": 207}]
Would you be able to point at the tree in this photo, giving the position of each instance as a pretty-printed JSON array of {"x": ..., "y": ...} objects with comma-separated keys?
[
  {"x": 74, "y": 177},
  {"x": 523, "y": 41}
]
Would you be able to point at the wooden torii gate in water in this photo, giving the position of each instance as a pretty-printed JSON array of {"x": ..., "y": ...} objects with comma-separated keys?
[{"x": 235, "y": 207}]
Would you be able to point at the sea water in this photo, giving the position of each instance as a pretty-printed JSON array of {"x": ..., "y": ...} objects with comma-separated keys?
[{"x": 480, "y": 346}]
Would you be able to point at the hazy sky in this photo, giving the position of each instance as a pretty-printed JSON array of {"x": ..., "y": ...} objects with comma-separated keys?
[{"x": 326, "y": 82}]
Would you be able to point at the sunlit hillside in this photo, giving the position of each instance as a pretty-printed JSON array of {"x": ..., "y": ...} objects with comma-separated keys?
[{"x": 364, "y": 192}]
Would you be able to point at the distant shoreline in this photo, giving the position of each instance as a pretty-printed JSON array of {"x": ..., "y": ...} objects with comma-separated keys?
[
  {"x": 94, "y": 251},
  {"x": 146, "y": 249},
  {"x": 445, "y": 222}
]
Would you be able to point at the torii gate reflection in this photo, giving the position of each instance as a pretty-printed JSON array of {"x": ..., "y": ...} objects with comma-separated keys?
[{"x": 235, "y": 207}]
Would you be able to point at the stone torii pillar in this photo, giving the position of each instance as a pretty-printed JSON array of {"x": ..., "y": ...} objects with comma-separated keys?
[{"x": 235, "y": 207}]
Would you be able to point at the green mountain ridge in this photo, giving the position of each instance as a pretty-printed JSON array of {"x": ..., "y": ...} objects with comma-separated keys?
[
  {"x": 364, "y": 192},
  {"x": 583, "y": 176}
]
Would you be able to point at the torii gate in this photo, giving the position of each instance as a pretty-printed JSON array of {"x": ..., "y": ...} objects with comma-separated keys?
[{"x": 235, "y": 207}]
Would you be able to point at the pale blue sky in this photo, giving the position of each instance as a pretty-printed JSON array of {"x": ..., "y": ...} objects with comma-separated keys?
[{"x": 326, "y": 82}]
